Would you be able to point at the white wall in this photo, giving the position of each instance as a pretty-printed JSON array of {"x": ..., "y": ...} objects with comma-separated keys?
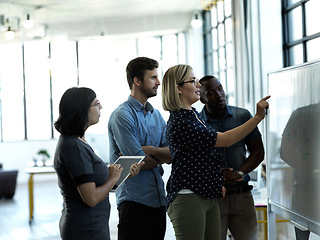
[{"x": 17, "y": 155}]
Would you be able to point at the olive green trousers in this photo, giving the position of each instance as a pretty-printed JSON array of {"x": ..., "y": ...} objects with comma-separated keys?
[{"x": 195, "y": 218}]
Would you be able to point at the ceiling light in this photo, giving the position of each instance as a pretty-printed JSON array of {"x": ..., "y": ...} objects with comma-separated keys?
[
  {"x": 28, "y": 23},
  {"x": 196, "y": 21},
  {"x": 9, "y": 34}
]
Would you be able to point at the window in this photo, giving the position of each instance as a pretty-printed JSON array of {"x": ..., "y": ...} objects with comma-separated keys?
[
  {"x": 63, "y": 69},
  {"x": 301, "y": 31},
  {"x": 34, "y": 75},
  {"x": 11, "y": 92},
  {"x": 37, "y": 90},
  {"x": 150, "y": 46},
  {"x": 98, "y": 76},
  {"x": 168, "y": 50},
  {"x": 218, "y": 40},
  {"x": 32, "y": 81}
]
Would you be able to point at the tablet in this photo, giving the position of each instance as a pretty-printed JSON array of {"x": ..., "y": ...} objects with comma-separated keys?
[{"x": 126, "y": 162}]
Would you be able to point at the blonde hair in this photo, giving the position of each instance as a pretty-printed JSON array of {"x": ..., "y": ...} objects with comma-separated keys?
[{"x": 173, "y": 77}]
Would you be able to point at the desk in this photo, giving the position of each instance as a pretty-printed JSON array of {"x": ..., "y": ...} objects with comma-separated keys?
[{"x": 32, "y": 171}]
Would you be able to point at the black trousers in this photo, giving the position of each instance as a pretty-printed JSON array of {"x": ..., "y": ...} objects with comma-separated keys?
[{"x": 138, "y": 221}]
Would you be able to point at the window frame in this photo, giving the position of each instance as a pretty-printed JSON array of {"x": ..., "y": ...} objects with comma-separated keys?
[
  {"x": 51, "y": 82},
  {"x": 287, "y": 44},
  {"x": 212, "y": 57}
]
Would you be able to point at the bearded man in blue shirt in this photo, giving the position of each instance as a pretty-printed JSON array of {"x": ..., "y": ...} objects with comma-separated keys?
[
  {"x": 135, "y": 128},
  {"x": 237, "y": 208}
]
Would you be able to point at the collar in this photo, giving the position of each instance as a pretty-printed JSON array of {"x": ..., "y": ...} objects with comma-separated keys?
[
  {"x": 206, "y": 116},
  {"x": 186, "y": 112},
  {"x": 138, "y": 106}
]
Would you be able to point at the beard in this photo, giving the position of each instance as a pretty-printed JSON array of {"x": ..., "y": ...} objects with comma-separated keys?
[{"x": 148, "y": 93}]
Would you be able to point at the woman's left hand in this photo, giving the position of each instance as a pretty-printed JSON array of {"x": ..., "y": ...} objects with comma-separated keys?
[{"x": 135, "y": 168}]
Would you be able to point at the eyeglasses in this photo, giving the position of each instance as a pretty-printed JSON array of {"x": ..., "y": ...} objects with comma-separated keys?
[
  {"x": 97, "y": 104},
  {"x": 195, "y": 82}
]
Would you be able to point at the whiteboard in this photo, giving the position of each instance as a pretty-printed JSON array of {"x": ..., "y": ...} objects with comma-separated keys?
[{"x": 293, "y": 144}]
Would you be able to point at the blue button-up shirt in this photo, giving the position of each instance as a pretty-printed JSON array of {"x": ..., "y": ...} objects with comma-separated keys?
[
  {"x": 131, "y": 126},
  {"x": 235, "y": 155}
]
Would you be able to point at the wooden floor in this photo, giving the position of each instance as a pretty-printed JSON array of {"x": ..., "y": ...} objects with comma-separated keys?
[{"x": 14, "y": 214}]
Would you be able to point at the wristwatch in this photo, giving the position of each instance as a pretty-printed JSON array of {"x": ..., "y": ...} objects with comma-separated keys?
[{"x": 240, "y": 173}]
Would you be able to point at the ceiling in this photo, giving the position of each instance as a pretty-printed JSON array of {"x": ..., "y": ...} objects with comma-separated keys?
[{"x": 81, "y": 18}]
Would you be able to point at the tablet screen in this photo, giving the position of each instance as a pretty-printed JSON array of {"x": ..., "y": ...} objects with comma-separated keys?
[{"x": 126, "y": 162}]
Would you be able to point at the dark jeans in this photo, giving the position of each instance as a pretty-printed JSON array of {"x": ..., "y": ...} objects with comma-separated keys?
[{"x": 138, "y": 221}]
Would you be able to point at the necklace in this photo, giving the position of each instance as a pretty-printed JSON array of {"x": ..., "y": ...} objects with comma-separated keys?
[{"x": 199, "y": 119}]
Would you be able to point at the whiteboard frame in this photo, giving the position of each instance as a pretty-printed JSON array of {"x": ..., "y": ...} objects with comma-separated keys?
[{"x": 302, "y": 222}]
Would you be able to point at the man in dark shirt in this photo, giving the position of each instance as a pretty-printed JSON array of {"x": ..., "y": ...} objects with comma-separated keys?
[{"x": 237, "y": 208}]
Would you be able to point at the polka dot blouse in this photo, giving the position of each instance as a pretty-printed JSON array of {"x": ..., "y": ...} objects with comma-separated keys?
[{"x": 196, "y": 162}]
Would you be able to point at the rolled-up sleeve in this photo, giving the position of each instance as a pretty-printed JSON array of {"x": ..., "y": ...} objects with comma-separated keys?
[{"x": 122, "y": 134}]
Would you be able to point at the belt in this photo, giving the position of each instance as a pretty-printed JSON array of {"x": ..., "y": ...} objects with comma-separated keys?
[{"x": 238, "y": 189}]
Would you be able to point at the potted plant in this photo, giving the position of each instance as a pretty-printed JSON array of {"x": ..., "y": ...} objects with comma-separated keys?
[{"x": 45, "y": 155}]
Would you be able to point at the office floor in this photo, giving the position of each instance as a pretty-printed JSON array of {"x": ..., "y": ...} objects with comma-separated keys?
[{"x": 14, "y": 214}]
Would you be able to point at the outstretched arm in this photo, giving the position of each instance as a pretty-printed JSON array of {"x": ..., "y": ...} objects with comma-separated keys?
[{"x": 228, "y": 138}]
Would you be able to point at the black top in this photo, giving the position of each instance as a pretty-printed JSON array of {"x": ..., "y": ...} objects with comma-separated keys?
[
  {"x": 196, "y": 162},
  {"x": 76, "y": 163}
]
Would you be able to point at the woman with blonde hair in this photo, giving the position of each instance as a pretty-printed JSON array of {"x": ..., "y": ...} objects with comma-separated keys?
[{"x": 196, "y": 180}]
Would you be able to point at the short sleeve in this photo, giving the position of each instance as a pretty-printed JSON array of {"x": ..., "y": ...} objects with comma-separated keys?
[{"x": 77, "y": 161}]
